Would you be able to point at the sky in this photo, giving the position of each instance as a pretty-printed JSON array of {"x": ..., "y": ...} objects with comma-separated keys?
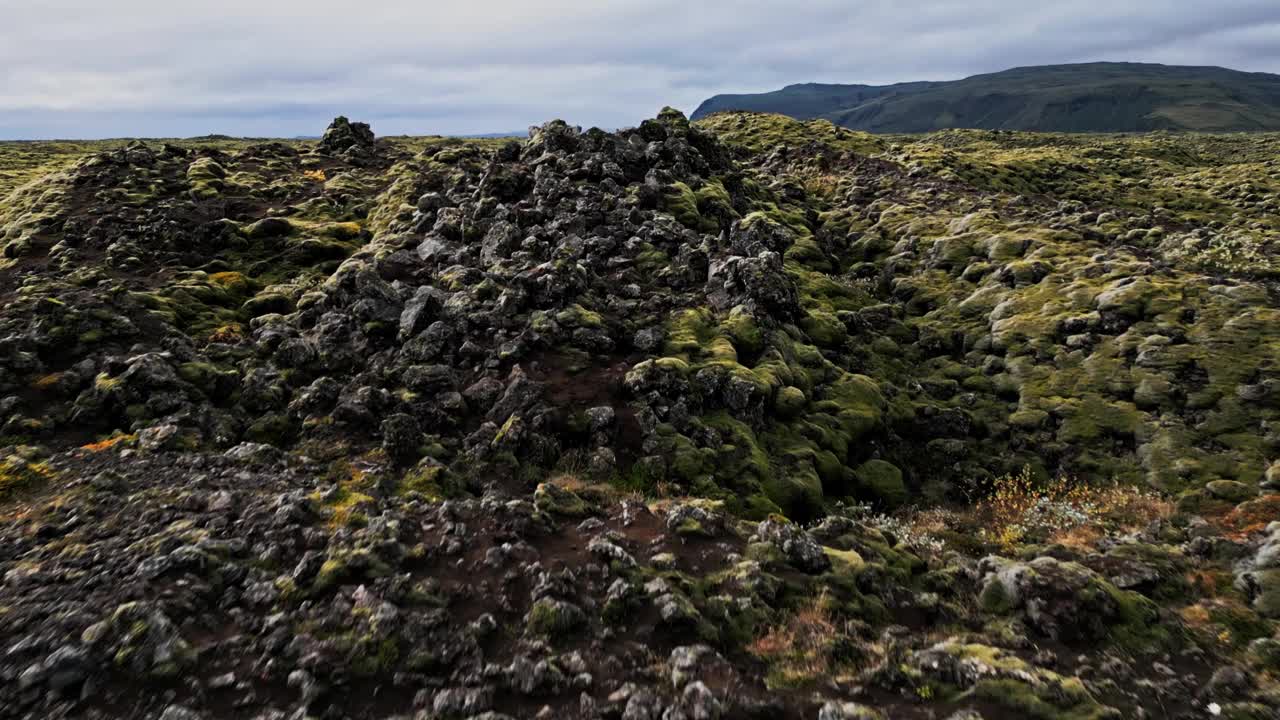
[{"x": 282, "y": 68}]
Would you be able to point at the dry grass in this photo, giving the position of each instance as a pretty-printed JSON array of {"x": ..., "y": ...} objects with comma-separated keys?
[
  {"x": 568, "y": 481},
  {"x": 1021, "y": 509},
  {"x": 573, "y": 473},
  {"x": 1251, "y": 518},
  {"x": 227, "y": 334},
  {"x": 1207, "y": 582},
  {"x": 45, "y": 382},
  {"x": 1225, "y": 622},
  {"x": 824, "y": 186},
  {"x": 594, "y": 491},
  {"x": 811, "y": 645},
  {"x": 1084, "y": 537}
]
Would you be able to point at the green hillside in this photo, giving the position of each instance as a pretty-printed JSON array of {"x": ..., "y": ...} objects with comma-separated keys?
[{"x": 1093, "y": 97}]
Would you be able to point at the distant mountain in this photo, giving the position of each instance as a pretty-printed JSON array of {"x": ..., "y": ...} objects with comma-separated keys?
[{"x": 1091, "y": 97}]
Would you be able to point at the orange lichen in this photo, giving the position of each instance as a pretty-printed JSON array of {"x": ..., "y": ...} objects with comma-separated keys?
[
  {"x": 109, "y": 443},
  {"x": 44, "y": 382},
  {"x": 1252, "y": 517}
]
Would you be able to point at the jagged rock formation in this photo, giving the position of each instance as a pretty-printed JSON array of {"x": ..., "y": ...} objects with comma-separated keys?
[{"x": 705, "y": 420}]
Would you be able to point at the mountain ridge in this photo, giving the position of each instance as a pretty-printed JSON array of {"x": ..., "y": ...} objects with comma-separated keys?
[{"x": 1083, "y": 97}]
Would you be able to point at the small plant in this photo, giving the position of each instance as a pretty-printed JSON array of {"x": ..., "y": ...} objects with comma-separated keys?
[
  {"x": 347, "y": 503},
  {"x": 822, "y": 185},
  {"x": 917, "y": 529},
  {"x": 809, "y": 646},
  {"x": 1229, "y": 253},
  {"x": 227, "y": 334}
]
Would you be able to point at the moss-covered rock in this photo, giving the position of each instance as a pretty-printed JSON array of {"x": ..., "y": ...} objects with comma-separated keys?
[
  {"x": 1069, "y": 602},
  {"x": 881, "y": 482},
  {"x": 790, "y": 402},
  {"x": 556, "y": 500},
  {"x": 968, "y": 673},
  {"x": 554, "y": 619},
  {"x": 139, "y": 639},
  {"x": 22, "y": 472}
]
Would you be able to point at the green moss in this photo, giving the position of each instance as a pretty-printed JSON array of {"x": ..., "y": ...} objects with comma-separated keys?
[
  {"x": 1013, "y": 685},
  {"x": 267, "y": 303},
  {"x": 1242, "y": 625},
  {"x": 824, "y": 329},
  {"x": 844, "y": 561},
  {"x": 578, "y": 316},
  {"x": 272, "y": 429},
  {"x": 690, "y": 463},
  {"x": 695, "y": 337},
  {"x": 1067, "y": 700},
  {"x": 706, "y": 210},
  {"x": 428, "y": 481},
  {"x": 18, "y": 475},
  {"x": 714, "y": 205},
  {"x": 790, "y": 402},
  {"x": 349, "y": 566},
  {"x": 1139, "y": 628},
  {"x": 374, "y": 657},
  {"x": 553, "y": 619},
  {"x": 651, "y": 259},
  {"x": 856, "y": 402},
  {"x": 1264, "y": 654},
  {"x": 207, "y": 179},
  {"x": 995, "y": 599},
  {"x": 744, "y": 332},
  {"x": 682, "y": 203},
  {"x": 209, "y": 378},
  {"x": 552, "y": 498},
  {"x": 759, "y": 132},
  {"x": 233, "y": 282},
  {"x": 882, "y": 482}
]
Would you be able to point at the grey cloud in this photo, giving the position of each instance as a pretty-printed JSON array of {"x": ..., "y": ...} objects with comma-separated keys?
[{"x": 74, "y": 68}]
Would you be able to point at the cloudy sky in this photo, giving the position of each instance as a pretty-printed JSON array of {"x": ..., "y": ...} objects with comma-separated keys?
[{"x": 105, "y": 68}]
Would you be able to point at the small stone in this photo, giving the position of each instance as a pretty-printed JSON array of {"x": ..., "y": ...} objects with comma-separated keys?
[
  {"x": 180, "y": 712},
  {"x": 225, "y": 680}
]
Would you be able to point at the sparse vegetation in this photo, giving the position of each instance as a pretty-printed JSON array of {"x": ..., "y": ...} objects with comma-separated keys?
[
  {"x": 1019, "y": 508},
  {"x": 809, "y": 647}
]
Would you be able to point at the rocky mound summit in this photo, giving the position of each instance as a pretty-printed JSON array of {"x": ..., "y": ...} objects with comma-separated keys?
[{"x": 744, "y": 418}]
